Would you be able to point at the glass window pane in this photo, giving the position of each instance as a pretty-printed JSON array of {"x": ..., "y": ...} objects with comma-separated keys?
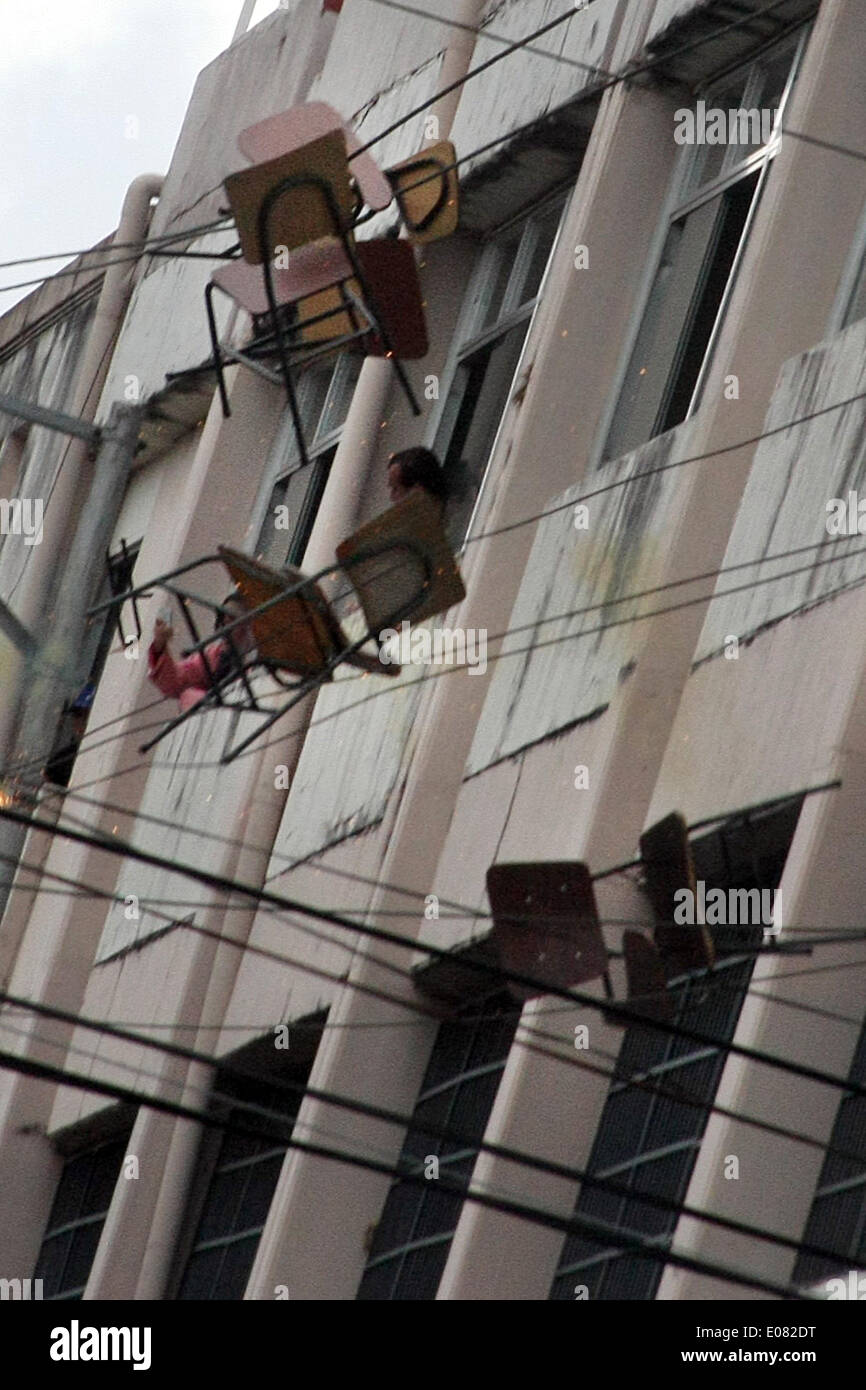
[
  {"x": 84, "y": 1192},
  {"x": 484, "y": 387},
  {"x": 678, "y": 322},
  {"x": 411, "y": 1212},
  {"x": 545, "y": 227},
  {"x": 857, "y": 303},
  {"x": 340, "y": 392},
  {"x": 506, "y": 249},
  {"x": 81, "y": 1252},
  {"x": 235, "y": 1272}
]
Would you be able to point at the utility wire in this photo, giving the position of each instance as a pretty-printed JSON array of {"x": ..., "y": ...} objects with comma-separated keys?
[
  {"x": 483, "y": 33},
  {"x": 456, "y": 667},
  {"x": 14, "y": 769},
  {"x": 416, "y": 1006},
  {"x": 594, "y": 1230},
  {"x": 122, "y": 849},
  {"x": 442, "y": 1132},
  {"x": 627, "y": 73}
]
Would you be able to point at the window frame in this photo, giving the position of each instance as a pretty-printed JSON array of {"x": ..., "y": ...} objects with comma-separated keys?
[
  {"x": 321, "y": 449},
  {"x": 472, "y": 335},
  {"x": 853, "y": 274},
  {"x": 117, "y": 1137},
  {"x": 684, "y": 197}
]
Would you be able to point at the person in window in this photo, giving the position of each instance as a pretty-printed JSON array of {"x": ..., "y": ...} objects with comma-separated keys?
[
  {"x": 190, "y": 678},
  {"x": 416, "y": 468}
]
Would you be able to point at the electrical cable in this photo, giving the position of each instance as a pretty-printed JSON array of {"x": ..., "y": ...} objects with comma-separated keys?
[
  {"x": 507, "y": 1206},
  {"x": 442, "y": 1132},
  {"x": 415, "y": 1005},
  {"x": 122, "y": 849}
]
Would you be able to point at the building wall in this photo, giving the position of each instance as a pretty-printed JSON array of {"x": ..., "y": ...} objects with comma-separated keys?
[{"x": 413, "y": 787}]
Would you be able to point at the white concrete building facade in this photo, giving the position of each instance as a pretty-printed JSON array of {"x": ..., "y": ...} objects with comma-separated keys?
[{"x": 645, "y": 380}]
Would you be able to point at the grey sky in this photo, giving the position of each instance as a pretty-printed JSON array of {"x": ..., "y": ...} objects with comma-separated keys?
[{"x": 92, "y": 93}]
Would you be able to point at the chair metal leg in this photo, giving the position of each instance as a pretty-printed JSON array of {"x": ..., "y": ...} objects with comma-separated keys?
[{"x": 217, "y": 350}]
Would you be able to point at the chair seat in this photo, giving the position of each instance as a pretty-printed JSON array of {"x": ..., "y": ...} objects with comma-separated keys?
[
  {"x": 426, "y": 188},
  {"x": 546, "y": 924},
  {"x": 300, "y": 634},
  {"x": 311, "y": 283}
]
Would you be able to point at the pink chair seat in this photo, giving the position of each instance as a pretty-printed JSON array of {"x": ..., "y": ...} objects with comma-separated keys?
[{"x": 311, "y": 268}]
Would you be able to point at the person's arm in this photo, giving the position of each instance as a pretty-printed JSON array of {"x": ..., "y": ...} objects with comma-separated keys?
[{"x": 172, "y": 677}]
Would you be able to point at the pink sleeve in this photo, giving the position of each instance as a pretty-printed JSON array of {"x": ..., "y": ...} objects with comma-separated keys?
[{"x": 172, "y": 677}]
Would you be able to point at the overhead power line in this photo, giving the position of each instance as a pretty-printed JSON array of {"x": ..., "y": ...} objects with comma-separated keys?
[
  {"x": 508, "y": 1206},
  {"x": 123, "y": 849},
  {"x": 418, "y": 1007},
  {"x": 447, "y": 1132}
]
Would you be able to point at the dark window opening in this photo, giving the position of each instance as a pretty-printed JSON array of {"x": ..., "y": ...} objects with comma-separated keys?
[
  {"x": 837, "y": 1219},
  {"x": 287, "y": 534},
  {"x": 237, "y": 1175},
  {"x": 413, "y": 1237},
  {"x": 731, "y": 214},
  {"x": 72, "y": 727},
  {"x": 647, "y": 1141},
  {"x": 77, "y": 1217}
]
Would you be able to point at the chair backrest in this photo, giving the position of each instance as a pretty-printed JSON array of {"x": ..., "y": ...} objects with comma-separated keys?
[
  {"x": 301, "y": 633},
  {"x": 391, "y": 276},
  {"x": 318, "y": 203},
  {"x": 400, "y": 564},
  {"x": 668, "y": 866},
  {"x": 290, "y": 130},
  {"x": 546, "y": 924},
  {"x": 426, "y": 189},
  {"x": 646, "y": 981}
]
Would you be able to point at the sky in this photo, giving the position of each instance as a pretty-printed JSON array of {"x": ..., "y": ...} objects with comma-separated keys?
[{"x": 92, "y": 93}]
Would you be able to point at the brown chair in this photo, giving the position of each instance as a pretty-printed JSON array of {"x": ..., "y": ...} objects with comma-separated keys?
[
  {"x": 302, "y": 202},
  {"x": 545, "y": 925},
  {"x": 668, "y": 866},
  {"x": 426, "y": 189},
  {"x": 398, "y": 556}
]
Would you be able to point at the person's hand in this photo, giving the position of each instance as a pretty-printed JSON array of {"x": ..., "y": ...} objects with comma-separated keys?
[{"x": 162, "y": 635}]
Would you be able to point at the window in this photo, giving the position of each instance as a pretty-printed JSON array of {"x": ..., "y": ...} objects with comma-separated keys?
[
  {"x": 646, "y": 1141},
  {"x": 502, "y": 295},
  {"x": 92, "y": 658},
  {"x": 718, "y": 190},
  {"x": 77, "y": 1217},
  {"x": 294, "y": 492},
  {"x": 414, "y": 1234},
  {"x": 237, "y": 1175},
  {"x": 851, "y": 300},
  {"x": 838, "y": 1216}
]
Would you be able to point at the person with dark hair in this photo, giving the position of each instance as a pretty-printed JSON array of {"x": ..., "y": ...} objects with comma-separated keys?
[
  {"x": 416, "y": 468},
  {"x": 190, "y": 678}
]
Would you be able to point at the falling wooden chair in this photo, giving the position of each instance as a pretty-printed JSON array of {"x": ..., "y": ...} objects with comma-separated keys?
[
  {"x": 668, "y": 867},
  {"x": 321, "y": 290},
  {"x": 426, "y": 190},
  {"x": 399, "y": 567},
  {"x": 304, "y": 200}
]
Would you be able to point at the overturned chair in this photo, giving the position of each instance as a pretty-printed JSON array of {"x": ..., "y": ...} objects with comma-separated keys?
[
  {"x": 398, "y": 567},
  {"x": 547, "y": 934},
  {"x": 310, "y": 288}
]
